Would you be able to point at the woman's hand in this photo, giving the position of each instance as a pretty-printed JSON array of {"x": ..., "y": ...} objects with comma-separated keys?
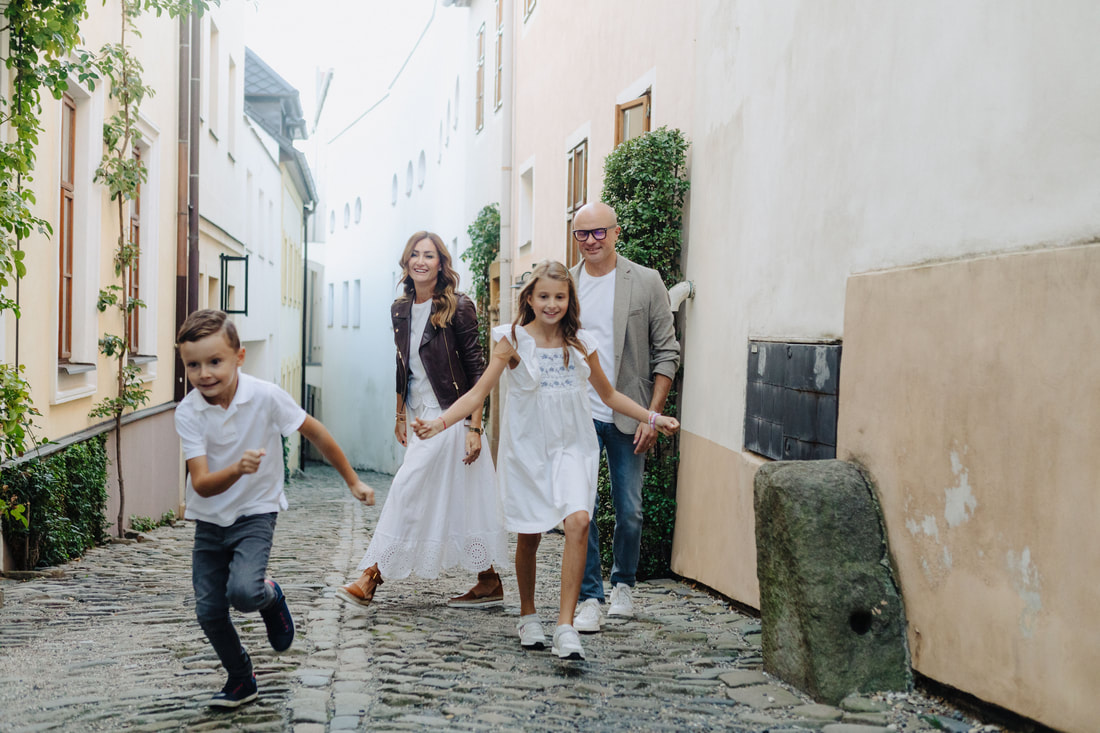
[
  {"x": 473, "y": 447},
  {"x": 425, "y": 430},
  {"x": 399, "y": 432},
  {"x": 362, "y": 492}
]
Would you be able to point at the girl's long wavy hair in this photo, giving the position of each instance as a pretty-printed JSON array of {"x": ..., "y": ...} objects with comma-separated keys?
[
  {"x": 444, "y": 299},
  {"x": 570, "y": 323}
]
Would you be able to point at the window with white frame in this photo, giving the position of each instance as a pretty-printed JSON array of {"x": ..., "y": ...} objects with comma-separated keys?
[
  {"x": 355, "y": 304},
  {"x": 479, "y": 93},
  {"x": 330, "y": 305}
]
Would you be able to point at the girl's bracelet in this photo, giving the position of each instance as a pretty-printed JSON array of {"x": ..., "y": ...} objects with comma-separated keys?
[
  {"x": 400, "y": 417},
  {"x": 653, "y": 420},
  {"x": 443, "y": 421}
]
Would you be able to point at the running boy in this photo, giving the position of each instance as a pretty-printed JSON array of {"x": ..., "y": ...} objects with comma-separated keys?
[{"x": 227, "y": 425}]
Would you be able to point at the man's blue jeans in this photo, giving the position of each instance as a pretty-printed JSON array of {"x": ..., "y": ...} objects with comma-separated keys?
[
  {"x": 626, "y": 497},
  {"x": 227, "y": 568}
]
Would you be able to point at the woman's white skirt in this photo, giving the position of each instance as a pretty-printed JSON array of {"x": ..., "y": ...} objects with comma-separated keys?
[{"x": 439, "y": 513}]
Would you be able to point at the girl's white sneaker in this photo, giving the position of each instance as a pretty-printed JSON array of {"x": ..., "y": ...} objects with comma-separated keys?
[
  {"x": 531, "y": 635},
  {"x": 567, "y": 643}
]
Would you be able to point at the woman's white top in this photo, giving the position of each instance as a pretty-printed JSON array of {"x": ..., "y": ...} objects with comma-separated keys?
[{"x": 421, "y": 393}]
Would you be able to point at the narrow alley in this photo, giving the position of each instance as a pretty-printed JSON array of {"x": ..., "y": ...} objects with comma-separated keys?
[{"x": 110, "y": 643}]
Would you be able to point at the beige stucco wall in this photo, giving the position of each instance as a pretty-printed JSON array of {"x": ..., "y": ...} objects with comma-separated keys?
[
  {"x": 571, "y": 71},
  {"x": 715, "y": 536},
  {"x": 151, "y": 469},
  {"x": 969, "y": 389}
]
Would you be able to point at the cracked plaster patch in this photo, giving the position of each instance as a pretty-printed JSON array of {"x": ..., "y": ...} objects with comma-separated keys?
[{"x": 960, "y": 502}]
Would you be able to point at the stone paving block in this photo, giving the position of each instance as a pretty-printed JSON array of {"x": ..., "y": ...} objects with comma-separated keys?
[
  {"x": 817, "y": 711},
  {"x": 850, "y": 728},
  {"x": 744, "y": 677},
  {"x": 763, "y": 697}
]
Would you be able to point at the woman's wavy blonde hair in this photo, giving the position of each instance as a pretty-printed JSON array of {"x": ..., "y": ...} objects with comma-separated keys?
[
  {"x": 570, "y": 323},
  {"x": 444, "y": 300}
]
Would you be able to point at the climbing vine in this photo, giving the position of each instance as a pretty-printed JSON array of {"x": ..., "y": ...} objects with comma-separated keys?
[
  {"x": 123, "y": 173},
  {"x": 484, "y": 246},
  {"x": 645, "y": 181},
  {"x": 42, "y": 56}
]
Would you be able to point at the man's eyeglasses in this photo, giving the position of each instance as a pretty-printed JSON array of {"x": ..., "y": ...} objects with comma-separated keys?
[{"x": 582, "y": 234}]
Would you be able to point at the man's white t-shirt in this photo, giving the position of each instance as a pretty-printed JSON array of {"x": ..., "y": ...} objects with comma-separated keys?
[
  {"x": 597, "y": 300},
  {"x": 258, "y": 416}
]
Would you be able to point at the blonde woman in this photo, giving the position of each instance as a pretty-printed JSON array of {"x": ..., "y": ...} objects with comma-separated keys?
[{"x": 442, "y": 510}]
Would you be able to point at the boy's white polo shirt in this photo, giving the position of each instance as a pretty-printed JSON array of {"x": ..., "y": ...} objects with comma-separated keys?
[{"x": 259, "y": 415}]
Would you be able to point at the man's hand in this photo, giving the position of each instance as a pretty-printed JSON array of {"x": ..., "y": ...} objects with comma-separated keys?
[
  {"x": 250, "y": 461},
  {"x": 473, "y": 447},
  {"x": 362, "y": 492},
  {"x": 645, "y": 438}
]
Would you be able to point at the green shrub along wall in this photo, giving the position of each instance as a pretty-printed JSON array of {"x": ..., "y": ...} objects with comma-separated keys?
[
  {"x": 645, "y": 181},
  {"x": 66, "y": 498}
]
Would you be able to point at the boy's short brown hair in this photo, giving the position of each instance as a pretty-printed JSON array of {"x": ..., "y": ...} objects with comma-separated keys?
[{"x": 205, "y": 322}]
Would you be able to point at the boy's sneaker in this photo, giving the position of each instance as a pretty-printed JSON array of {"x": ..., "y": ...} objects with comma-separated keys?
[
  {"x": 277, "y": 619},
  {"x": 587, "y": 617},
  {"x": 567, "y": 643},
  {"x": 621, "y": 603},
  {"x": 236, "y": 693},
  {"x": 531, "y": 635}
]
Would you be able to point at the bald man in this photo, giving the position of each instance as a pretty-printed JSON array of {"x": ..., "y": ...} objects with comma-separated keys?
[{"x": 625, "y": 306}]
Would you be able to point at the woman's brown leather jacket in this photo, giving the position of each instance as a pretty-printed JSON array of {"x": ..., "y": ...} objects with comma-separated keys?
[{"x": 452, "y": 356}]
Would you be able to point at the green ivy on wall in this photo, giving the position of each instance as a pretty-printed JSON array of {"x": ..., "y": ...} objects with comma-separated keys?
[
  {"x": 645, "y": 181},
  {"x": 66, "y": 496},
  {"x": 484, "y": 247}
]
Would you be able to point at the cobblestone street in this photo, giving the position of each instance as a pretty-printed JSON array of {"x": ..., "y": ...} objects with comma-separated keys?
[{"x": 112, "y": 643}]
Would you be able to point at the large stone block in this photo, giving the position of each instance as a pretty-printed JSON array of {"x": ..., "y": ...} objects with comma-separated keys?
[{"x": 832, "y": 620}]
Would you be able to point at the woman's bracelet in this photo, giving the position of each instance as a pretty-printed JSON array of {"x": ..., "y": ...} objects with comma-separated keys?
[
  {"x": 443, "y": 421},
  {"x": 472, "y": 429},
  {"x": 400, "y": 417},
  {"x": 653, "y": 420}
]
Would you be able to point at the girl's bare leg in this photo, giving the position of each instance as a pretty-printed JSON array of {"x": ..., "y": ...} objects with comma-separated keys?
[
  {"x": 572, "y": 564},
  {"x": 526, "y": 547}
]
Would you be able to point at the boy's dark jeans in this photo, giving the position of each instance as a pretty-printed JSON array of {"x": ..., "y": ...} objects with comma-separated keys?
[{"x": 227, "y": 568}]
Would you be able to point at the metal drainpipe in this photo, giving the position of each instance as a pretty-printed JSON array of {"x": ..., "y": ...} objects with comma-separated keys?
[
  {"x": 506, "y": 87},
  {"x": 306, "y": 210},
  {"x": 180, "y": 384},
  {"x": 193, "y": 165}
]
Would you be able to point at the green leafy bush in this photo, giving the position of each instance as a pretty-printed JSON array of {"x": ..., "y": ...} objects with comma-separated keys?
[
  {"x": 484, "y": 247},
  {"x": 645, "y": 181},
  {"x": 66, "y": 498},
  {"x": 148, "y": 524}
]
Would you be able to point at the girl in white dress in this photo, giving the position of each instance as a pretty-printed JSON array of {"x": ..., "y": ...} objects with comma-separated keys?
[
  {"x": 442, "y": 510},
  {"x": 548, "y": 455}
]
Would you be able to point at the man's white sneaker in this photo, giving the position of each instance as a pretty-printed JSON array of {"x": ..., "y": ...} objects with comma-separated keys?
[
  {"x": 621, "y": 604},
  {"x": 587, "y": 617},
  {"x": 567, "y": 643},
  {"x": 531, "y": 635}
]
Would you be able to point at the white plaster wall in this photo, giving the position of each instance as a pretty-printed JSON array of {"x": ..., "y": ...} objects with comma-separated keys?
[
  {"x": 833, "y": 138},
  {"x": 358, "y": 391}
]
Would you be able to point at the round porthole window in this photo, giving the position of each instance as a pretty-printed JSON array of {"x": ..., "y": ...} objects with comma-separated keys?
[{"x": 358, "y": 209}]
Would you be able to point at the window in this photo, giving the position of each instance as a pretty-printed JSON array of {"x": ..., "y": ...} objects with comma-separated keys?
[
  {"x": 528, "y": 8},
  {"x": 331, "y": 222},
  {"x": 421, "y": 169},
  {"x": 632, "y": 118},
  {"x": 344, "y": 303},
  {"x": 454, "y": 123},
  {"x": 212, "y": 70},
  {"x": 497, "y": 98},
  {"x": 231, "y": 123},
  {"x": 347, "y": 215},
  {"x": 479, "y": 96},
  {"x": 133, "y": 281},
  {"x": 65, "y": 230},
  {"x": 330, "y": 305},
  {"x": 576, "y": 196},
  {"x": 393, "y": 193},
  {"x": 409, "y": 179},
  {"x": 355, "y": 302},
  {"x": 526, "y": 209},
  {"x": 358, "y": 209}
]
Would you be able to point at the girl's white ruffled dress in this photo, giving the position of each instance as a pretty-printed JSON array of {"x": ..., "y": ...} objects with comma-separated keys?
[
  {"x": 439, "y": 513},
  {"x": 548, "y": 455}
]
